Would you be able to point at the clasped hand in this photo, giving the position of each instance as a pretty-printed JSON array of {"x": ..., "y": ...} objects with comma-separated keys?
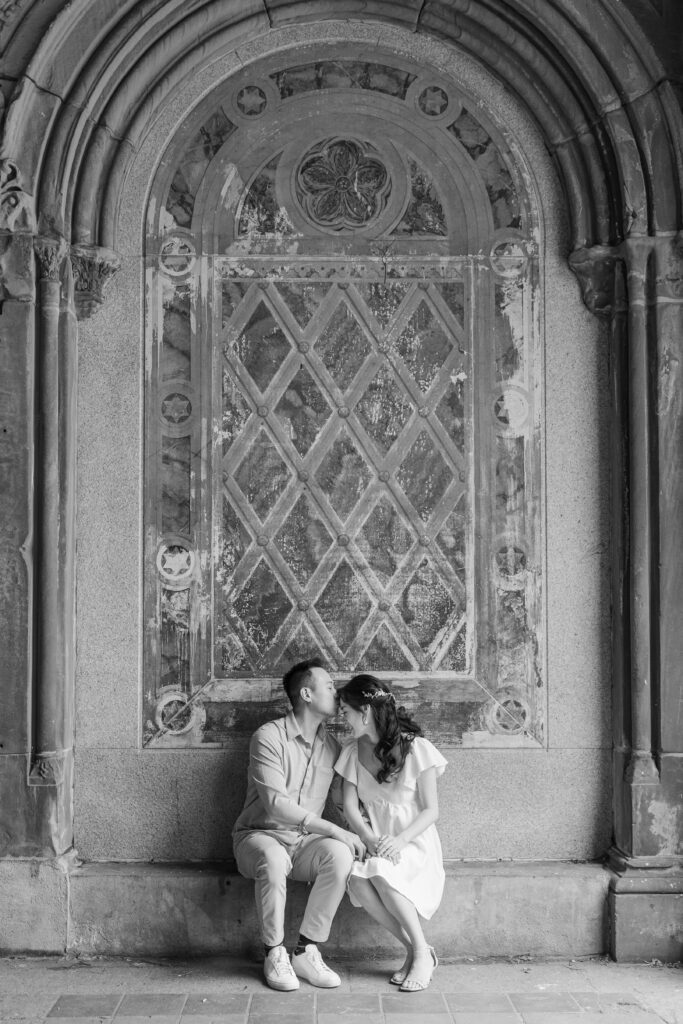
[{"x": 390, "y": 847}]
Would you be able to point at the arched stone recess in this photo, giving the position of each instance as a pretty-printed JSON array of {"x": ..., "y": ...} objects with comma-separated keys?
[
  {"x": 149, "y": 772},
  {"x": 356, "y": 317},
  {"x": 100, "y": 85}
]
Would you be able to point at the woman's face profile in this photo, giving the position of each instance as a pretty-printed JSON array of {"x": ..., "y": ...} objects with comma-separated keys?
[{"x": 354, "y": 719}]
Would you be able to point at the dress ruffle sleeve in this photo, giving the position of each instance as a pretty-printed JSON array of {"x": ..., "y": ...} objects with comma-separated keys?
[
  {"x": 347, "y": 762},
  {"x": 423, "y": 755}
]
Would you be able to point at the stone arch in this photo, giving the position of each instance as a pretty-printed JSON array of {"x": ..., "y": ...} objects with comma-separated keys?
[
  {"x": 96, "y": 84},
  {"x": 607, "y": 116}
]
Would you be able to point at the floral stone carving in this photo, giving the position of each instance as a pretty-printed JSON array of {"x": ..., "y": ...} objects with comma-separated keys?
[
  {"x": 342, "y": 184},
  {"x": 93, "y": 268}
]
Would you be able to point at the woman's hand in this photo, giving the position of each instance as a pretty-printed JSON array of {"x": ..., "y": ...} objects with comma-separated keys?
[{"x": 391, "y": 848}]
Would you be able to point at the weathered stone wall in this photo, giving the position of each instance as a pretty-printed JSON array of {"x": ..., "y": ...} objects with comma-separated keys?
[
  {"x": 73, "y": 117},
  {"x": 549, "y": 803}
]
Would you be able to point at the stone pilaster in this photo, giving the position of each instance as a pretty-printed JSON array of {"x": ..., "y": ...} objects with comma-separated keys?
[
  {"x": 51, "y": 749},
  {"x": 646, "y": 891}
]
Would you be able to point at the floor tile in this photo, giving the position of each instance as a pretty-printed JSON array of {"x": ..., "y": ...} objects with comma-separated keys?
[
  {"x": 145, "y": 1018},
  {"x": 60, "y": 1020},
  {"x": 535, "y": 1002},
  {"x": 411, "y": 1002},
  {"x": 225, "y": 1018},
  {"x": 418, "y": 1017},
  {"x": 348, "y": 1002},
  {"x": 154, "y": 1004},
  {"x": 17, "y": 1018},
  {"x": 85, "y": 1006},
  {"x": 493, "y": 1002},
  {"x": 342, "y": 1017},
  {"x": 294, "y": 1017},
  {"x": 554, "y": 1017},
  {"x": 486, "y": 1017},
  {"x": 281, "y": 1004},
  {"x": 202, "y": 1005},
  {"x": 606, "y": 1000},
  {"x": 625, "y": 1016},
  {"x": 23, "y": 1007}
]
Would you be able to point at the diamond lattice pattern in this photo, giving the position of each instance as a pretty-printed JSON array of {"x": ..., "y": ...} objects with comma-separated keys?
[{"x": 345, "y": 524}]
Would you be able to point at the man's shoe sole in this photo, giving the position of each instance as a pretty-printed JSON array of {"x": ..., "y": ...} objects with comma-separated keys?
[
  {"x": 317, "y": 984},
  {"x": 282, "y": 987}
]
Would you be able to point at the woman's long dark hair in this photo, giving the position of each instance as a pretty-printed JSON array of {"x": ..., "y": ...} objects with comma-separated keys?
[{"x": 395, "y": 727}]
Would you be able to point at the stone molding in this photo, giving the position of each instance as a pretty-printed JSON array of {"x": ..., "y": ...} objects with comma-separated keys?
[
  {"x": 634, "y": 129},
  {"x": 93, "y": 269},
  {"x": 16, "y": 205}
]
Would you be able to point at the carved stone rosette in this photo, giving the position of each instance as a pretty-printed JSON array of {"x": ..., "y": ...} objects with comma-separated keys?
[
  {"x": 93, "y": 268},
  {"x": 342, "y": 183}
]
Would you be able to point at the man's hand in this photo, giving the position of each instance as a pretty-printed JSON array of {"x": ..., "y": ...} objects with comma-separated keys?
[{"x": 354, "y": 843}]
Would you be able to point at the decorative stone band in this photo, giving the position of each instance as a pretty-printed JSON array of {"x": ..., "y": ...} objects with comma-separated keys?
[
  {"x": 93, "y": 268},
  {"x": 16, "y": 205}
]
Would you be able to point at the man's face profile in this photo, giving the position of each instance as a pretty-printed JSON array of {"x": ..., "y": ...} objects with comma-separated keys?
[{"x": 322, "y": 693}]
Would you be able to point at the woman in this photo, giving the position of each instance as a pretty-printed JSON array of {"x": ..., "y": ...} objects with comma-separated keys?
[{"x": 390, "y": 801}]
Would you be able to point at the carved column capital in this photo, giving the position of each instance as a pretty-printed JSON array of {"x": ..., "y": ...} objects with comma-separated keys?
[
  {"x": 50, "y": 253},
  {"x": 596, "y": 269},
  {"x": 16, "y": 205},
  {"x": 93, "y": 268}
]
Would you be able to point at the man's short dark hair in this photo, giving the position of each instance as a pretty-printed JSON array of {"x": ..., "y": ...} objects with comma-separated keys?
[{"x": 299, "y": 676}]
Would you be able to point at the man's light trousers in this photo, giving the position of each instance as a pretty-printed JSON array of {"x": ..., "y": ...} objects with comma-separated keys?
[{"x": 324, "y": 862}]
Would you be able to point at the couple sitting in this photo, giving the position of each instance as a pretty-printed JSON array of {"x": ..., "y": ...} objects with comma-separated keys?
[{"x": 389, "y": 858}]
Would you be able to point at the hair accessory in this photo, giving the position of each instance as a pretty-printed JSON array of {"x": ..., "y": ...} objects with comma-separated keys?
[{"x": 380, "y": 695}]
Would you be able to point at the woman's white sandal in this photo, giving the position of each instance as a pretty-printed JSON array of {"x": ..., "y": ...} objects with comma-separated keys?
[
  {"x": 399, "y": 976},
  {"x": 418, "y": 984}
]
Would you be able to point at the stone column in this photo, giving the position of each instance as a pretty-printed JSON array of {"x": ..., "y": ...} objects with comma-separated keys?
[
  {"x": 52, "y": 691},
  {"x": 646, "y": 893},
  {"x": 638, "y": 289},
  {"x": 34, "y": 821}
]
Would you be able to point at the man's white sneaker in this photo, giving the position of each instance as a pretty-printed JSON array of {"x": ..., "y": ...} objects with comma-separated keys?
[
  {"x": 278, "y": 970},
  {"x": 310, "y": 966}
]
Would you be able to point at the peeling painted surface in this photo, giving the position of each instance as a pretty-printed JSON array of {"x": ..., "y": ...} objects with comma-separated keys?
[
  {"x": 335, "y": 472},
  {"x": 490, "y": 164},
  {"x": 196, "y": 159}
]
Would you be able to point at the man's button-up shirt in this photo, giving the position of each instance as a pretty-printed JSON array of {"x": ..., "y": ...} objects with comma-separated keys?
[{"x": 288, "y": 781}]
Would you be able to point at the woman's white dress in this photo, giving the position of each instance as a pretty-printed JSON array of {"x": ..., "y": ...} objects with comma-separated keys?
[{"x": 390, "y": 807}]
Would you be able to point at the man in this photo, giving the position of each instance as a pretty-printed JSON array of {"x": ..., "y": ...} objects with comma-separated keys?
[{"x": 280, "y": 832}]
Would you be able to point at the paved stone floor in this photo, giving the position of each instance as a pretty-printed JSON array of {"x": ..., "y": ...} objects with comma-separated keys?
[{"x": 98, "y": 990}]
